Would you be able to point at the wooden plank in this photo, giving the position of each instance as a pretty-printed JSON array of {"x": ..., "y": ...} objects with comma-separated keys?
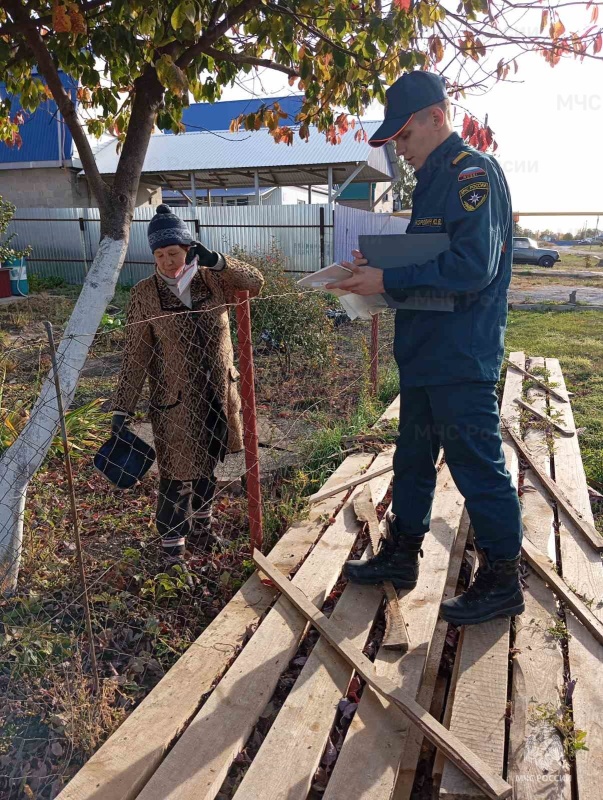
[
  {"x": 379, "y": 728},
  {"x": 582, "y": 570},
  {"x": 351, "y": 484},
  {"x": 287, "y": 760},
  {"x": 538, "y": 381},
  {"x": 543, "y": 417},
  {"x": 414, "y": 741},
  {"x": 480, "y": 704},
  {"x": 537, "y": 764},
  {"x": 198, "y": 764},
  {"x": 546, "y": 570},
  {"x": 439, "y": 762},
  {"x": 396, "y": 635},
  {"x": 579, "y": 520},
  {"x": 391, "y": 413},
  {"x": 126, "y": 761},
  {"x": 472, "y": 765}
]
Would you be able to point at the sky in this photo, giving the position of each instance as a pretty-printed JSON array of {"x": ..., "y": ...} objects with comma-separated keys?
[{"x": 548, "y": 123}]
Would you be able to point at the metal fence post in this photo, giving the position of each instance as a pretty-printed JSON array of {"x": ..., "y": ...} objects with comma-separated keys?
[
  {"x": 83, "y": 241},
  {"x": 76, "y": 530},
  {"x": 321, "y": 219},
  {"x": 374, "y": 353},
  {"x": 250, "y": 422}
]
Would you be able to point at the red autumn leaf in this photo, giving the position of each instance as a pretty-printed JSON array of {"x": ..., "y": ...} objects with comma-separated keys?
[
  {"x": 598, "y": 43},
  {"x": 595, "y": 14},
  {"x": 403, "y": 5},
  {"x": 467, "y": 126}
]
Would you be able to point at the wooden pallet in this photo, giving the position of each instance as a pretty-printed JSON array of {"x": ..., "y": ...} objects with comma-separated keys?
[
  {"x": 534, "y": 674},
  {"x": 183, "y": 739}
]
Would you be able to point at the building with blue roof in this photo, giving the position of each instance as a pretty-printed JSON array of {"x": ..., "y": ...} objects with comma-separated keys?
[
  {"x": 43, "y": 170},
  {"x": 204, "y": 166}
]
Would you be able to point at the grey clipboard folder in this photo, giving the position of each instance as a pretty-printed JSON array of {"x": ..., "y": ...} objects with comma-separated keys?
[{"x": 401, "y": 250}]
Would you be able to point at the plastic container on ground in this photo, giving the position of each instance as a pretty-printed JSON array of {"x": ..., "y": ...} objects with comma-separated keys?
[{"x": 18, "y": 277}]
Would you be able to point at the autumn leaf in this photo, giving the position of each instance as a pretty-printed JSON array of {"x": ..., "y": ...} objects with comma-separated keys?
[
  {"x": 544, "y": 20},
  {"x": 170, "y": 75},
  {"x": 557, "y": 29},
  {"x": 403, "y": 5},
  {"x": 468, "y": 127},
  {"x": 61, "y": 21},
  {"x": 598, "y": 43},
  {"x": 436, "y": 48},
  {"x": 78, "y": 23}
]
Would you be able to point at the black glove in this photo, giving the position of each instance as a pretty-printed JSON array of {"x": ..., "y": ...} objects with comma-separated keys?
[
  {"x": 207, "y": 258},
  {"x": 119, "y": 421}
]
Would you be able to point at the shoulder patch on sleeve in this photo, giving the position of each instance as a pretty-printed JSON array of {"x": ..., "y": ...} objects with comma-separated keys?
[
  {"x": 470, "y": 173},
  {"x": 474, "y": 195},
  {"x": 460, "y": 156}
]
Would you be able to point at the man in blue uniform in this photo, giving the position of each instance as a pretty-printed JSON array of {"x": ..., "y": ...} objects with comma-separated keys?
[{"x": 449, "y": 362}]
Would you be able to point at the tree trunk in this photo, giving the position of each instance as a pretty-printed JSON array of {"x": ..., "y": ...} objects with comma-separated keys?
[{"x": 19, "y": 463}]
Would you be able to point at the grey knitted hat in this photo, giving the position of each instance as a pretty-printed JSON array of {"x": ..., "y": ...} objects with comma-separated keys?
[{"x": 166, "y": 228}]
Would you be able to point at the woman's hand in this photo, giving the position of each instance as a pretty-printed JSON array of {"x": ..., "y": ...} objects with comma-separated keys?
[
  {"x": 119, "y": 421},
  {"x": 365, "y": 280},
  {"x": 206, "y": 258}
]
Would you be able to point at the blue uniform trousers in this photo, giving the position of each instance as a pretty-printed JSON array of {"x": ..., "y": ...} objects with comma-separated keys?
[{"x": 464, "y": 420}]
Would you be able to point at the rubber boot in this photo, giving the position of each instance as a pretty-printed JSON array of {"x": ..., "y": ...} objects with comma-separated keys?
[
  {"x": 495, "y": 592},
  {"x": 203, "y": 537},
  {"x": 397, "y": 560}
]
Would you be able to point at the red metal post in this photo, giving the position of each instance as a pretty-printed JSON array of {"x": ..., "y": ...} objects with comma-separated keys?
[
  {"x": 374, "y": 353},
  {"x": 250, "y": 420}
]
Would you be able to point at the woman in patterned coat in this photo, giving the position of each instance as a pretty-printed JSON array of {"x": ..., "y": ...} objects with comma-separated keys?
[{"x": 178, "y": 336}]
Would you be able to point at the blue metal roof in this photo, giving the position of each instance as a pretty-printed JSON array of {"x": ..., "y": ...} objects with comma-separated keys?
[
  {"x": 224, "y": 159},
  {"x": 44, "y": 137},
  {"x": 218, "y": 116}
]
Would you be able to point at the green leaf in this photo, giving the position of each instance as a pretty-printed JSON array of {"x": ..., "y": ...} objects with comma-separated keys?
[
  {"x": 190, "y": 10},
  {"x": 178, "y": 16}
]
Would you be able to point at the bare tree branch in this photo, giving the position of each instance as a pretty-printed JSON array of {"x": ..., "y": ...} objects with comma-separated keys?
[{"x": 241, "y": 58}]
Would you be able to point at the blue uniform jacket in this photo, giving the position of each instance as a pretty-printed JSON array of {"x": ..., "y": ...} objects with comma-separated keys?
[{"x": 463, "y": 193}]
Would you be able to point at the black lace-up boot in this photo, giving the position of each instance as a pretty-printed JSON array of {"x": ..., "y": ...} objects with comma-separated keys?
[
  {"x": 495, "y": 592},
  {"x": 397, "y": 560}
]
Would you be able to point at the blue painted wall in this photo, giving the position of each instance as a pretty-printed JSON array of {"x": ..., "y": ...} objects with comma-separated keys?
[{"x": 40, "y": 130}]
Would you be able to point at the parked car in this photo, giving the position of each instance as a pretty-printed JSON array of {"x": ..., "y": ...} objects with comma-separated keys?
[{"x": 526, "y": 251}]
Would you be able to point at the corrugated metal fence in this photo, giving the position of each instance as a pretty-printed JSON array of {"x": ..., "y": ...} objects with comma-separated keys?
[
  {"x": 65, "y": 240},
  {"x": 352, "y": 222}
]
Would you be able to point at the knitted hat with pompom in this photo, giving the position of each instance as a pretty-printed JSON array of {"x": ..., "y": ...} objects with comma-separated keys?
[{"x": 166, "y": 228}]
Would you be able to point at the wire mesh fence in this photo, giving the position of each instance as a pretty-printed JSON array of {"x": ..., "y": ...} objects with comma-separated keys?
[{"x": 163, "y": 556}]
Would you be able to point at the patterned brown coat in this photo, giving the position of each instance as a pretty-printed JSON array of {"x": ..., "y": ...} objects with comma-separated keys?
[{"x": 187, "y": 355}]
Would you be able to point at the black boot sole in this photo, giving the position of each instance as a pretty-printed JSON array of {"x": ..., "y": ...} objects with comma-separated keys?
[
  {"x": 511, "y": 612},
  {"x": 369, "y": 582}
]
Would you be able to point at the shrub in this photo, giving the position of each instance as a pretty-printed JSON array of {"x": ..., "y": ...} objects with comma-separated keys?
[
  {"x": 285, "y": 319},
  {"x": 42, "y": 283},
  {"x": 7, "y": 211}
]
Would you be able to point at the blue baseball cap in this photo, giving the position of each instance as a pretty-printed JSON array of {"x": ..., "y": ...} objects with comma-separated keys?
[{"x": 409, "y": 94}]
